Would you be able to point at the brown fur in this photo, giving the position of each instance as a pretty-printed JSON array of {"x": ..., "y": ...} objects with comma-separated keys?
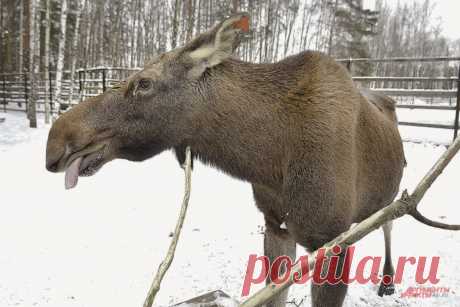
[{"x": 319, "y": 153}]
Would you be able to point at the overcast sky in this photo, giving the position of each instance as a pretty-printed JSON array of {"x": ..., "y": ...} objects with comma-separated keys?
[{"x": 447, "y": 10}]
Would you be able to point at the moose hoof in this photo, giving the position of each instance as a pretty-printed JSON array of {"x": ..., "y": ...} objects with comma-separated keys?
[{"x": 386, "y": 289}]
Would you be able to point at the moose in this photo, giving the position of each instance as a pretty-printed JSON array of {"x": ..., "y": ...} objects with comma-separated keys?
[{"x": 320, "y": 153}]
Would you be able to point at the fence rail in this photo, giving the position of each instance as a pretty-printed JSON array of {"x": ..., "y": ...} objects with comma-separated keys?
[
  {"x": 417, "y": 93},
  {"x": 402, "y": 59},
  {"x": 14, "y": 88},
  {"x": 406, "y": 92}
]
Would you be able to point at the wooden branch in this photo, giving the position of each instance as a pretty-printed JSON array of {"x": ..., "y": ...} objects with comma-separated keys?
[
  {"x": 407, "y": 204},
  {"x": 419, "y": 217},
  {"x": 164, "y": 266}
]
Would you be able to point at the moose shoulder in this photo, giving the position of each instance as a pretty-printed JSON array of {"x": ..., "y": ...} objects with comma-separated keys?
[{"x": 319, "y": 153}]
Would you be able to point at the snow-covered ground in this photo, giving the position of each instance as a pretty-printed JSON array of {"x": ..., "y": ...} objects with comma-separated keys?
[
  {"x": 426, "y": 135},
  {"x": 99, "y": 244}
]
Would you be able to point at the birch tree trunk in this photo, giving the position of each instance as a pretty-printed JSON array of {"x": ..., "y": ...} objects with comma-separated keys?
[
  {"x": 36, "y": 62},
  {"x": 133, "y": 35},
  {"x": 29, "y": 44},
  {"x": 3, "y": 34},
  {"x": 293, "y": 17},
  {"x": 60, "y": 57},
  {"x": 21, "y": 41},
  {"x": 21, "y": 38},
  {"x": 191, "y": 19},
  {"x": 47, "y": 60},
  {"x": 74, "y": 49},
  {"x": 175, "y": 24},
  {"x": 331, "y": 30},
  {"x": 3, "y": 45},
  {"x": 87, "y": 46},
  {"x": 235, "y": 6},
  {"x": 100, "y": 54}
]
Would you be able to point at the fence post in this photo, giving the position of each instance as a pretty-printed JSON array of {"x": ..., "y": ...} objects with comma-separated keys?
[
  {"x": 80, "y": 84},
  {"x": 82, "y": 80},
  {"x": 457, "y": 105},
  {"x": 103, "y": 81},
  {"x": 4, "y": 92},
  {"x": 26, "y": 94},
  {"x": 50, "y": 84},
  {"x": 349, "y": 65}
]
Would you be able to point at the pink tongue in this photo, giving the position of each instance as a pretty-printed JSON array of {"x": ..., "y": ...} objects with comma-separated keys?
[{"x": 71, "y": 174}]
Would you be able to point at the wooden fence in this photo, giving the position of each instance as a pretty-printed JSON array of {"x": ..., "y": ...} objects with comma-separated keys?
[
  {"x": 15, "y": 88},
  {"x": 450, "y": 88}
]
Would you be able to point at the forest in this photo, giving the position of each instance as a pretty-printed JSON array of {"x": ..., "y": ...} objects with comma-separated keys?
[{"x": 126, "y": 33}]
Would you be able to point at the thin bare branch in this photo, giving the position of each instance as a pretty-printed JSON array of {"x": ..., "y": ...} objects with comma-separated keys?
[
  {"x": 164, "y": 266},
  {"x": 422, "y": 219}
]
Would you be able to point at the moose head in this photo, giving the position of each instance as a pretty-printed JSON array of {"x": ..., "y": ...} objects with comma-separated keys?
[{"x": 153, "y": 110}]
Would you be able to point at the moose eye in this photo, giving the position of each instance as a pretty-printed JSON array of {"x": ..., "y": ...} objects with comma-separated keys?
[{"x": 144, "y": 84}]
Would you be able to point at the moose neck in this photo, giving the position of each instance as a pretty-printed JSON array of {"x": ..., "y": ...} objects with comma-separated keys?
[{"x": 239, "y": 129}]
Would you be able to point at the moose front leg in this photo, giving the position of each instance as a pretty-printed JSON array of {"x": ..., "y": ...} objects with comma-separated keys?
[
  {"x": 319, "y": 212},
  {"x": 331, "y": 295},
  {"x": 278, "y": 243}
]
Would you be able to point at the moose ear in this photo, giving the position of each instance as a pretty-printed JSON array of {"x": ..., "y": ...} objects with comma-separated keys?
[{"x": 211, "y": 48}]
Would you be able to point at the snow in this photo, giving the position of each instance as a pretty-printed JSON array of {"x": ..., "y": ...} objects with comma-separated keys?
[
  {"x": 101, "y": 243},
  {"x": 426, "y": 135}
]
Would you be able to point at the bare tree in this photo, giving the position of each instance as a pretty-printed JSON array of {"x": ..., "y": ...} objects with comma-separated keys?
[
  {"x": 46, "y": 58},
  {"x": 29, "y": 50},
  {"x": 191, "y": 18},
  {"x": 175, "y": 23},
  {"x": 331, "y": 30},
  {"x": 291, "y": 13},
  {"x": 61, "y": 52},
  {"x": 21, "y": 37},
  {"x": 235, "y": 6},
  {"x": 74, "y": 49}
]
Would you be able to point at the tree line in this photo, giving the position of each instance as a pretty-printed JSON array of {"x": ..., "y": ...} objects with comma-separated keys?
[{"x": 129, "y": 32}]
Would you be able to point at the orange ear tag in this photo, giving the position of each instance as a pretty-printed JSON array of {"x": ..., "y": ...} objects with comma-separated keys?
[{"x": 242, "y": 24}]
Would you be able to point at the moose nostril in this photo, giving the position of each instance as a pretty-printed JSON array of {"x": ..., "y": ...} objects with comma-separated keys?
[
  {"x": 52, "y": 166},
  {"x": 53, "y": 156}
]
